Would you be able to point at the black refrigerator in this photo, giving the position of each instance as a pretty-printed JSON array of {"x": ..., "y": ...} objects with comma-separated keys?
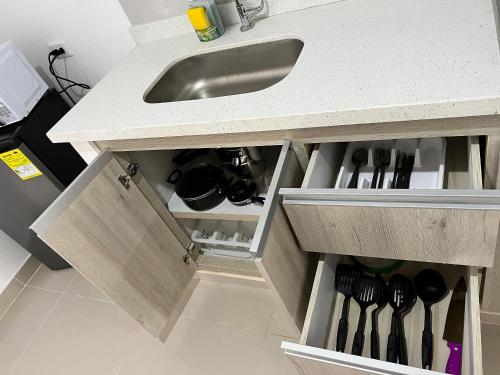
[{"x": 33, "y": 172}]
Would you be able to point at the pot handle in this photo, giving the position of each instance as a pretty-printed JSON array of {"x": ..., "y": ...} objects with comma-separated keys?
[
  {"x": 259, "y": 200},
  {"x": 174, "y": 176}
]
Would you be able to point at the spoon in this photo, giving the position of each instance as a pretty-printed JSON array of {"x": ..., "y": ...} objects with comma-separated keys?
[
  {"x": 359, "y": 159},
  {"x": 431, "y": 288},
  {"x": 402, "y": 297},
  {"x": 365, "y": 292},
  {"x": 381, "y": 303}
]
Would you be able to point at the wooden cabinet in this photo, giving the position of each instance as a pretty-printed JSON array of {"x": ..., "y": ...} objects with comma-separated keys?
[
  {"x": 114, "y": 229},
  {"x": 456, "y": 225}
]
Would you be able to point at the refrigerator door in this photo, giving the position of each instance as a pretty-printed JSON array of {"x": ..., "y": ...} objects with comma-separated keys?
[{"x": 22, "y": 201}]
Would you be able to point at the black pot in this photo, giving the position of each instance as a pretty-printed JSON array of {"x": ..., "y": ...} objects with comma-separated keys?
[
  {"x": 201, "y": 187},
  {"x": 244, "y": 192}
]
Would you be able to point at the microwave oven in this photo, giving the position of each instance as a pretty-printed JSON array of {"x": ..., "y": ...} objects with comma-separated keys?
[{"x": 21, "y": 87}]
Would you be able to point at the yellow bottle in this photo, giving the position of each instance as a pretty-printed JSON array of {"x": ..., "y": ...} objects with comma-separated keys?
[{"x": 201, "y": 23}]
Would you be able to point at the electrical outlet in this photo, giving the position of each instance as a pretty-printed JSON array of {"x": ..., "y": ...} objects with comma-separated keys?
[{"x": 59, "y": 44}]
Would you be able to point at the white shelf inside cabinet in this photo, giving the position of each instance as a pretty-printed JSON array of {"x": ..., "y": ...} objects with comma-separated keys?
[{"x": 224, "y": 211}]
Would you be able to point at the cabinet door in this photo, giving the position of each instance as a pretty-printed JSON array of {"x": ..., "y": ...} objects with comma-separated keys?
[
  {"x": 289, "y": 271},
  {"x": 114, "y": 237}
]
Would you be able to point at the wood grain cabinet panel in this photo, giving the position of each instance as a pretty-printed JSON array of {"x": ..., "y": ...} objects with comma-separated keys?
[
  {"x": 421, "y": 234},
  {"x": 115, "y": 238}
]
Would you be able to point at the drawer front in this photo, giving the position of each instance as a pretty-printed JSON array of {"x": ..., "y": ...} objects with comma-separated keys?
[
  {"x": 442, "y": 235},
  {"x": 314, "y": 354}
]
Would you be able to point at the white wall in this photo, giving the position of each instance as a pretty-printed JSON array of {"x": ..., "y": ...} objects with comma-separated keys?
[
  {"x": 12, "y": 257},
  {"x": 96, "y": 31}
]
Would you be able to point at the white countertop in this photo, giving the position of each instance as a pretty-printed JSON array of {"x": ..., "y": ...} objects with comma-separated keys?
[{"x": 363, "y": 61}]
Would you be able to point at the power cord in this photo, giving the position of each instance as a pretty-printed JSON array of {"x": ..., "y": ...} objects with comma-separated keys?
[{"x": 53, "y": 55}]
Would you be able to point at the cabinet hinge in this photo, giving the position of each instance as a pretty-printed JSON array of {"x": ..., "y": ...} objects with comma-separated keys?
[
  {"x": 189, "y": 253},
  {"x": 131, "y": 172}
]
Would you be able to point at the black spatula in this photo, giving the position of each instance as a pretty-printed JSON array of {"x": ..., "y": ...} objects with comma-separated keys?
[
  {"x": 365, "y": 292},
  {"x": 381, "y": 303},
  {"x": 402, "y": 297},
  {"x": 344, "y": 278}
]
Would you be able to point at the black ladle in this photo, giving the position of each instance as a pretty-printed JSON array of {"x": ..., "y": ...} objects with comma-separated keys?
[
  {"x": 402, "y": 298},
  {"x": 359, "y": 159},
  {"x": 365, "y": 292},
  {"x": 431, "y": 288},
  {"x": 381, "y": 303}
]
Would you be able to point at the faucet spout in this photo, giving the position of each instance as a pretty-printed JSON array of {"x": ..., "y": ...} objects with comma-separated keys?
[{"x": 246, "y": 15}]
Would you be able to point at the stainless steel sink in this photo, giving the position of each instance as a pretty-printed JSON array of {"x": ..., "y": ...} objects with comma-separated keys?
[{"x": 227, "y": 72}]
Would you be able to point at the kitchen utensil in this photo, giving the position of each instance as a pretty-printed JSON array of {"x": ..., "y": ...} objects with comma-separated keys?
[
  {"x": 401, "y": 170},
  {"x": 243, "y": 192},
  {"x": 377, "y": 163},
  {"x": 381, "y": 303},
  {"x": 201, "y": 187},
  {"x": 407, "y": 170},
  {"x": 242, "y": 161},
  {"x": 402, "y": 297},
  {"x": 385, "y": 161},
  {"x": 359, "y": 159},
  {"x": 345, "y": 276},
  {"x": 381, "y": 160},
  {"x": 397, "y": 168},
  {"x": 431, "y": 288},
  {"x": 365, "y": 291},
  {"x": 454, "y": 328}
]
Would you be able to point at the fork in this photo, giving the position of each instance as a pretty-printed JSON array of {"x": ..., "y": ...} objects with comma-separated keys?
[{"x": 381, "y": 160}]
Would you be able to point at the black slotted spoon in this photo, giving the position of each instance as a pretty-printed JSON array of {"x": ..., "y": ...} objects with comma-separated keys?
[
  {"x": 381, "y": 303},
  {"x": 402, "y": 297},
  {"x": 345, "y": 276},
  {"x": 365, "y": 292}
]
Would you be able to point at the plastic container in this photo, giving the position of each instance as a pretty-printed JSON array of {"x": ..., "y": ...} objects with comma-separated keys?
[{"x": 428, "y": 170}]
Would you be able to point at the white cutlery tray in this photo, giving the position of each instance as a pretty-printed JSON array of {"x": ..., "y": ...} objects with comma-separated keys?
[{"x": 428, "y": 170}]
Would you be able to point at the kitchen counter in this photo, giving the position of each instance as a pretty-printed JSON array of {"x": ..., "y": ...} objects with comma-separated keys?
[{"x": 363, "y": 62}]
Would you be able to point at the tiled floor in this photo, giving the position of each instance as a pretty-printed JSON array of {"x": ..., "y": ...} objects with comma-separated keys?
[{"x": 61, "y": 325}]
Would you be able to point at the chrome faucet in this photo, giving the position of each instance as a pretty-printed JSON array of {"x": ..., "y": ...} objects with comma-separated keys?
[{"x": 246, "y": 15}]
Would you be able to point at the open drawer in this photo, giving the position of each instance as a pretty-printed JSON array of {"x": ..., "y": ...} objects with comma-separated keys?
[
  {"x": 457, "y": 224},
  {"x": 315, "y": 353}
]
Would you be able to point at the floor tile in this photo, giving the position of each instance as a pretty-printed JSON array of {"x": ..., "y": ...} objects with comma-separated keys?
[
  {"x": 9, "y": 294},
  {"x": 280, "y": 325},
  {"x": 80, "y": 286},
  {"x": 28, "y": 269},
  {"x": 490, "y": 335},
  {"x": 235, "y": 305},
  {"x": 81, "y": 336},
  {"x": 45, "y": 278},
  {"x": 196, "y": 347},
  {"x": 20, "y": 323},
  {"x": 272, "y": 360}
]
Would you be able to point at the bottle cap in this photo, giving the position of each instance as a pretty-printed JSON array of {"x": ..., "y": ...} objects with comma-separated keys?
[{"x": 199, "y": 18}]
